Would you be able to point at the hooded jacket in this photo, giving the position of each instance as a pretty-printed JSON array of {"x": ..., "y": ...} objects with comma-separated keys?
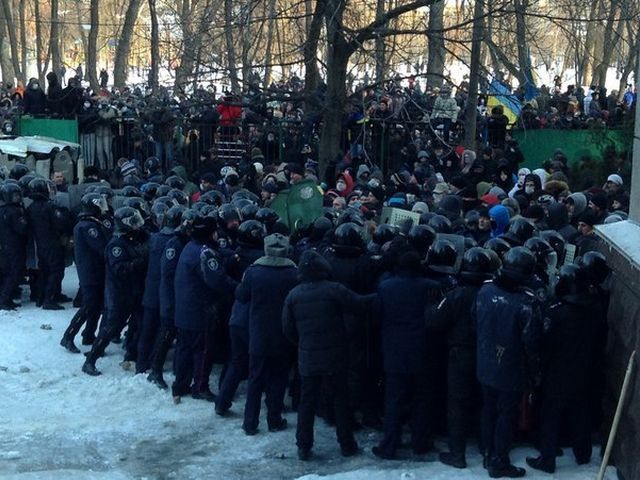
[
  {"x": 314, "y": 317},
  {"x": 580, "y": 202},
  {"x": 500, "y": 216},
  {"x": 558, "y": 219}
]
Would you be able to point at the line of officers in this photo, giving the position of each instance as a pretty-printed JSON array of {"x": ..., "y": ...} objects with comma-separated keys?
[{"x": 404, "y": 329}]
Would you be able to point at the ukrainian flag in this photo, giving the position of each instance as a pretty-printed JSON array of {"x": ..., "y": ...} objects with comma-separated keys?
[{"x": 500, "y": 95}]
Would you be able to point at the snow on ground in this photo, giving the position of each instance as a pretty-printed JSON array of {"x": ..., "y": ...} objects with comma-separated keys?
[{"x": 58, "y": 423}]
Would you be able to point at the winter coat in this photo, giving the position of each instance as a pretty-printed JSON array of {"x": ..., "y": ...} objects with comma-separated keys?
[
  {"x": 157, "y": 244},
  {"x": 568, "y": 347},
  {"x": 49, "y": 224},
  {"x": 558, "y": 220},
  {"x": 265, "y": 287},
  {"x": 90, "y": 239},
  {"x": 402, "y": 302},
  {"x": 453, "y": 315},
  {"x": 168, "y": 266},
  {"x": 314, "y": 317},
  {"x": 201, "y": 284},
  {"x": 508, "y": 337},
  {"x": 126, "y": 263}
]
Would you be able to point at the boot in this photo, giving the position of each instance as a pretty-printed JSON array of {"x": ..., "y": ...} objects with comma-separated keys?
[
  {"x": 157, "y": 379},
  {"x": 304, "y": 454},
  {"x": 505, "y": 470},
  {"x": 90, "y": 369},
  {"x": 204, "y": 395},
  {"x": 52, "y": 306},
  {"x": 67, "y": 342},
  {"x": 453, "y": 459},
  {"x": 542, "y": 464},
  {"x": 62, "y": 298}
]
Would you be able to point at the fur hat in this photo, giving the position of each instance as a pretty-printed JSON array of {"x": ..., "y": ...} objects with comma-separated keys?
[{"x": 276, "y": 245}]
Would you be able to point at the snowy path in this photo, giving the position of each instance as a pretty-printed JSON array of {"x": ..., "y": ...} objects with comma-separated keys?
[{"x": 58, "y": 423}]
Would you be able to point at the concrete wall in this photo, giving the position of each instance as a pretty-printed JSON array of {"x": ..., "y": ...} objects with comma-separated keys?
[{"x": 622, "y": 248}]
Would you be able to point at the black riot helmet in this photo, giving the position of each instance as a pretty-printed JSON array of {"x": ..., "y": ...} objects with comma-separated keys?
[
  {"x": 11, "y": 194},
  {"x": 179, "y": 196},
  {"x": 546, "y": 256},
  {"x": 469, "y": 243},
  {"x": 130, "y": 191},
  {"x": 128, "y": 220},
  {"x": 212, "y": 197},
  {"x": 166, "y": 200},
  {"x": 248, "y": 212},
  {"x": 268, "y": 217},
  {"x": 477, "y": 264},
  {"x": 158, "y": 212},
  {"x": 186, "y": 222},
  {"x": 320, "y": 227},
  {"x": 520, "y": 230},
  {"x": 39, "y": 187},
  {"x": 498, "y": 245},
  {"x": 106, "y": 191},
  {"x": 203, "y": 228},
  {"x": 172, "y": 218},
  {"x": 18, "y": 171},
  {"x": 174, "y": 181},
  {"x": 149, "y": 190},
  {"x": 229, "y": 213},
  {"x": 440, "y": 224},
  {"x": 349, "y": 235},
  {"x": 351, "y": 215},
  {"x": 595, "y": 265},
  {"x": 556, "y": 241},
  {"x": 573, "y": 283},
  {"x": 139, "y": 204},
  {"x": 518, "y": 265},
  {"x": 94, "y": 204},
  {"x": 384, "y": 233},
  {"x": 442, "y": 256},
  {"x": 251, "y": 234},
  {"x": 421, "y": 237},
  {"x": 162, "y": 191},
  {"x": 24, "y": 182}
]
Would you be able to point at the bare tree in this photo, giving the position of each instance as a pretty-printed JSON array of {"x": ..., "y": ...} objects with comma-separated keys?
[
  {"x": 436, "y": 52},
  {"x": 121, "y": 62},
  {"x": 13, "y": 40},
  {"x": 54, "y": 38},
  {"x": 232, "y": 63},
  {"x": 154, "y": 72}
]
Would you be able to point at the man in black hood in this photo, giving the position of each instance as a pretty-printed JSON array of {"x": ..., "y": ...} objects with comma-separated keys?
[{"x": 313, "y": 317}]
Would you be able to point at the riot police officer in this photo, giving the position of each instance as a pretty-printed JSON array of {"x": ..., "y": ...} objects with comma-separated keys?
[
  {"x": 508, "y": 359},
  {"x": 49, "y": 225},
  {"x": 13, "y": 240},
  {"x": 200, "y": 278},
  {"x": 167, "y": 223},
  {"x": 90, "y": 239},
  {"x": 126, "y": 261},
  {"x": 454, "y": 316}
]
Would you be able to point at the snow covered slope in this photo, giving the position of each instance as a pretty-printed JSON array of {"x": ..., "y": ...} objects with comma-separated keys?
[{"x": 58, "y": 423}]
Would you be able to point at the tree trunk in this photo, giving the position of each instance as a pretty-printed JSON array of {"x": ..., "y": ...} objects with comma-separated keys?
[
  {"x": 524, "y": 60},
  {"x": 338, "y": 53},
  {"x": 23, "y": 38},
  {"x": 609, "y": 42},
  {"x": 121, "y": 62},
  {"x": 154, "y": 73},
  {"x": 311, "y": 74},
  {"x": 436, "y": 51},
  {"x": 586, "y": 63},
  {"x": 54, "y": 38},
  {"x": 268, "y": 55},
  {"x": 92, "y": 48},
  {"x": 232, "y": 63},
  {"x": 11, "y": 29},
  {"x": 39, "y": 59},
  {"x": 6, "y": 67},
  {"x": 380, "y": 47},
  {"x": 474, "y": 76}
]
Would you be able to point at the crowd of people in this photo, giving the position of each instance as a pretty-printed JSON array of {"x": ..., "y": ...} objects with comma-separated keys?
[{"x": 486, "y": 306}]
